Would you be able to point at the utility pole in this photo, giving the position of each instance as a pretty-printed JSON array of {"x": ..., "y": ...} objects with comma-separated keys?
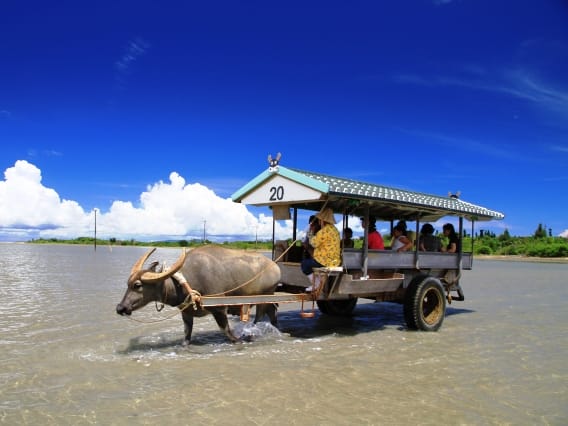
[
  {"x": 95, "y": 209},
  {"x": 204, "y": 222}
]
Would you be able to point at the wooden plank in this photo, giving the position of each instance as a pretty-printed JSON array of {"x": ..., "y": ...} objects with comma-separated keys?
[
  {"x": 369, "y": 286},
  {"x": 386, "y": 259},
  {"x": 208, "y": 301}
]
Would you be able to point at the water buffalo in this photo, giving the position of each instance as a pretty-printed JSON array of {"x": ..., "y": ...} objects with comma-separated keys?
[{"x": 210, "y": 270}]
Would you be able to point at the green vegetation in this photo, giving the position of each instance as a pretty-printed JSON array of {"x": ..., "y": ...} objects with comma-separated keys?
[
  {"x": 523, "y": 246},
  {"x": 244, "y": 245},
  {"x": 540, "y": 244},
  {"x": 519, "y": 246}
]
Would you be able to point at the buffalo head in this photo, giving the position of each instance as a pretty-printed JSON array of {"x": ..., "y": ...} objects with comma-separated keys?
[{"x": 146, "y": 285}]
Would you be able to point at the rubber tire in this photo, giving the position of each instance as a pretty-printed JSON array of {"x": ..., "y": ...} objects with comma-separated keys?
[
  {"x": 337, "y": 308},
  {"x": 424, "y": 304}
]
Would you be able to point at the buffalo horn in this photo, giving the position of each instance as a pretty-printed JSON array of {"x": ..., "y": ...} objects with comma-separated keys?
[
  {"x": 149, "y": 276},
  {"x": 138, "y": 265}
]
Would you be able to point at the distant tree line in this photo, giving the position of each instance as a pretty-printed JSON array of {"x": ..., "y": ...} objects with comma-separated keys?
[
  {"x": 246, "y": 245},
  {"x": 540, "y": 244}
]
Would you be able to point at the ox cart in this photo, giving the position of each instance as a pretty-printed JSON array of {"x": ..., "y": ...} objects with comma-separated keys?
[{"x": 422, "y": 282}]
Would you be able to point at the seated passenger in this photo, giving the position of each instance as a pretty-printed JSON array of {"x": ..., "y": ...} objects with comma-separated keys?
[
  {"x": 326, "y": 244},
  {"x": 347, "y": 241},
  {"x": 375, "y": 239},
  {"x": 312, "y": 229},
  {"x": 400, "y": 242},
  {"x": 427, "y": 241},
  {"x": 401, "y": 224},
  {"x": 453, "y": 239},
  {"x": 406, "y": 232}
]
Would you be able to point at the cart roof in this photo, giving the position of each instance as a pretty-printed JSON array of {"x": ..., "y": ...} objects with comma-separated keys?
[{"x": 285, "y": 187}]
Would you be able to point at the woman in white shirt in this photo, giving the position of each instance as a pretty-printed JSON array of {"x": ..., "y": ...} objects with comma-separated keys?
[{"x": 399, "y": 241}]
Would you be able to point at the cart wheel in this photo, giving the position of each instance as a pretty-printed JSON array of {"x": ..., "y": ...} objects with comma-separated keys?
[
  {"x": 424, "y": 304},
  {"x": 337, "y": 308}
]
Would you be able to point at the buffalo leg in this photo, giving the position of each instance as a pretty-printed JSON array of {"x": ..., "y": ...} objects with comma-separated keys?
[
  {"x": 220, "y": 316},
  {"x": 188, "y": 326},
  {"x": 266, "y": 309},
  {"x": 272, "y": 314}
]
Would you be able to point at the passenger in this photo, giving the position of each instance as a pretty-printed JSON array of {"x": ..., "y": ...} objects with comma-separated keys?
[
  {"x": 326, "y": 244},
  {"x": 375, "y": 239},
  {"x": 410, "y": 234},
  {"x": 347, "y": 241},
  {"x": 454, "y": 240},
  {"x": 400, "y": 242},
  {"x": 427, "y": 241},
  {"x": 311, "y": 230},
  {"x": 402, "y": 225}
]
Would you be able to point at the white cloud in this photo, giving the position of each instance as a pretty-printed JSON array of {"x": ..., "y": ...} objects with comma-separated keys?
[
  {"x": 26, "y": 204},
  {"x": 172, "y": 210},
  {"x": 123, "y": 67},
  {"x": 518, "y": 83},
  {"x": 564, "y": 233},
  {"x": 559, "y": 148},
  {"x": 166, "y": 210},
  {"x": 135, "y": 49}
]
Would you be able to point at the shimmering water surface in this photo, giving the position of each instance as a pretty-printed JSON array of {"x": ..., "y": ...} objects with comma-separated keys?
[{"x": 67, "y": 357}]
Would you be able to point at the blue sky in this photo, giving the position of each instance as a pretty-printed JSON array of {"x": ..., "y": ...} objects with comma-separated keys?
[{"x": 154, "y": 113}]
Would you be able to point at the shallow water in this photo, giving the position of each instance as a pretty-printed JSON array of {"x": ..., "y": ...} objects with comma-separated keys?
[{"x": 68, "y": 358}]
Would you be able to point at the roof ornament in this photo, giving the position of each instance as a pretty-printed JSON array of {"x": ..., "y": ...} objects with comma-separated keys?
[
  {"x": 456, "y": 195},
  {"x": 273, "y": 163}
]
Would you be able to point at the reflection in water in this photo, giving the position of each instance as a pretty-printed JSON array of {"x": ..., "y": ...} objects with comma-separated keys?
[{"x": 68, "y": 358}]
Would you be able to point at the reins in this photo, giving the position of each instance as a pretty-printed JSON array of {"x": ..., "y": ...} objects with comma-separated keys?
[{"x": 190, "y": 300}]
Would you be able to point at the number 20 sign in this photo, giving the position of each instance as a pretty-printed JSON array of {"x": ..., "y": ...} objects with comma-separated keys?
[{"x": 280, "y": 190}]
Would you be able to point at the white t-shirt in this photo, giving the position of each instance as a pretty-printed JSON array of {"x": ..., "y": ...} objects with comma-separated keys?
[{"x": 396, "y": 244}]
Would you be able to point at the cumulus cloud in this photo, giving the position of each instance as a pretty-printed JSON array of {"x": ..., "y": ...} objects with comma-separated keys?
[
  {"x": 27, "y": 206},
  {"x": 166, "y": 210}
]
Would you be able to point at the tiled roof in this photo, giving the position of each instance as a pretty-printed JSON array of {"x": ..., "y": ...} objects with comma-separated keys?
[
  {"x": 388, "y": 200},
  {"x": 354, "y": 198}
]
